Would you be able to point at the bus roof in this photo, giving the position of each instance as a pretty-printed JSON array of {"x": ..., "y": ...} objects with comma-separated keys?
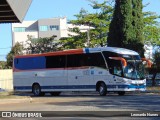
[
  {"x": 83, "y": 50},
  {"x": 112, "y": 49}
]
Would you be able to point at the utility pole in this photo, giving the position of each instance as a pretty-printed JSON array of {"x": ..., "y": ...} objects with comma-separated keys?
[{"x": 88, "y": 37}]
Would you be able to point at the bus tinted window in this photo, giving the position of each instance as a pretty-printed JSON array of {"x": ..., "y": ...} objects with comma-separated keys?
[
  {"x": 115, "y": 67},
  {"x": 74, "y": 60},
  {"x": 55, "y": 61},
  {"x": 93, "y": 59}
]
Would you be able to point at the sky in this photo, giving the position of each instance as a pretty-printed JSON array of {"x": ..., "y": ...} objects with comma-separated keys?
[{"x": 55, "y": 8}]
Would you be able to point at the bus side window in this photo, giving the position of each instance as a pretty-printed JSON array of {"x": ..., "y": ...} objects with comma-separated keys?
[
  {"x": 56, "y": 61},
  {"x": 96, "y": 59},
  {"x": 117, "y": 71},
  {"x": 90, "y": 59},
  {"x": 115, "y": 67},
  {"x": 74, "y": 60}
]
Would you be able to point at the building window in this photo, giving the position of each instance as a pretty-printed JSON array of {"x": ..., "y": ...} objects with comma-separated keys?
[
  {"x": 19, "y": 29},
  {"x": 43, "y": 28},
  {"x": 54, "y": 27}
]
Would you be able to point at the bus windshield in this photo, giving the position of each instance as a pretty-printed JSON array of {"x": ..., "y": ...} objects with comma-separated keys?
[{"x": 134, "y": 70}]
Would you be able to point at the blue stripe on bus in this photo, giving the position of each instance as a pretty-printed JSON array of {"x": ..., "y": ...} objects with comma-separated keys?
[
  {"x": 58, "y": 87},
  {"x": 80, "y": 87},
  {"x": 70, "y": 87},
  {"x": 22, "y": 87},
  {"x": 87, "y": 50},
  {"x": 126, "y": 86}
]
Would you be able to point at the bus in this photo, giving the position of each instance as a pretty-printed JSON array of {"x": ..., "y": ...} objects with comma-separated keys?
[{"x": 106, "y": 69}]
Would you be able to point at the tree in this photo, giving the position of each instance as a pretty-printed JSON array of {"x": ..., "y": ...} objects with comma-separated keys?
[
  {"x": 126, "y": 28},
  {"x": 120, "y": 30},
  {"x": 151, "y": 27},
  {"x": 3, "y": 65},
  {"x": 40, "y": 45},
  {"x": 98, "y": 24},
  {"x": 137, "y": 23},
  {"x": 74, "y": 41},
  {"x": 155, "y": 67},
  {"x": 121, "y": 34},
  {"x": 151, "y": 35},
  {"x": 16, "y": 50}
]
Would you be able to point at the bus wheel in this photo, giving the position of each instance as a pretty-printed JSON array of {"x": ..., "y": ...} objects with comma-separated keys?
[
  {"x": 36, "y": 89},
  {"x": 121, "y": 93},
  {"x": 102, "y": 89},
  {"x": 55, "y": 93}
]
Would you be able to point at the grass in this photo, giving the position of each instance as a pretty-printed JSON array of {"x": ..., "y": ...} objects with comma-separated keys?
[{"x": 155, "y": 88}]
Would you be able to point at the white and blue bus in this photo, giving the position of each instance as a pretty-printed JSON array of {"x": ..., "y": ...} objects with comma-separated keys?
[{"x": 107, "y": 69}]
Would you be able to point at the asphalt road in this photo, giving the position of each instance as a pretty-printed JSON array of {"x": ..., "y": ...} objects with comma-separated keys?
[{"x": 88, "y": 104}]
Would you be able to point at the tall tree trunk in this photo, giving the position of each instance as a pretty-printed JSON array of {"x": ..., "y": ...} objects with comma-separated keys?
[{"x": 154, "y": 78}]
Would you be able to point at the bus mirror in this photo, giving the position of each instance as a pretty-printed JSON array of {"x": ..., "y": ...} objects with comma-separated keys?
[
  {"x": 124, "y": 62},
  {"x": 149, "y": 63}
]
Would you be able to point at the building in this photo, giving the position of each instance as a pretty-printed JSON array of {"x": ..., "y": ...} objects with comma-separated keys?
[
  {"x": 12, "y": 11},
  {"x": 43, "y": 28}
]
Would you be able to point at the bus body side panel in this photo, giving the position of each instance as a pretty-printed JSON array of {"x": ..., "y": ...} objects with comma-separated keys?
[
  {"x": 80, "y": 79},
  {"x": 24, "y": 80},
  {"x": 49, "y": 80},
  {"x": 54, "y": 80}
]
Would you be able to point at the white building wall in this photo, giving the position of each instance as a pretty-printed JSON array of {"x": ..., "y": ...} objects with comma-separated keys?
[
  {"x": 32, "y": 29},
  {"x": 63, "y": 27},
  {"x": 21, "y": 37}
]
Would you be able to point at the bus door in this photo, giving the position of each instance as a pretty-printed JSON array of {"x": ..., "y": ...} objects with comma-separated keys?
[{"x": 116, "y": 69}]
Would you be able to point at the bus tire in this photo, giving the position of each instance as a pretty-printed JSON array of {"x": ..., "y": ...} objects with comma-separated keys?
[
  {"x": 36, "y": 89},
  {"x": 55, "y": 93},
  {"x": 102, "y": 89},
  {"x": 121, "y": 93}
]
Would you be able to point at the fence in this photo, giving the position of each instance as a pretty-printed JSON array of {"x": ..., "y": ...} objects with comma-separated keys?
[{"x": 6, "y": 79}]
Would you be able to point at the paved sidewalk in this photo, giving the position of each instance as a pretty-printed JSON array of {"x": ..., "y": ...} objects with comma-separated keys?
[
  {"x": 6, "y": 98},
  {"x": 15, "y": 100}
]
